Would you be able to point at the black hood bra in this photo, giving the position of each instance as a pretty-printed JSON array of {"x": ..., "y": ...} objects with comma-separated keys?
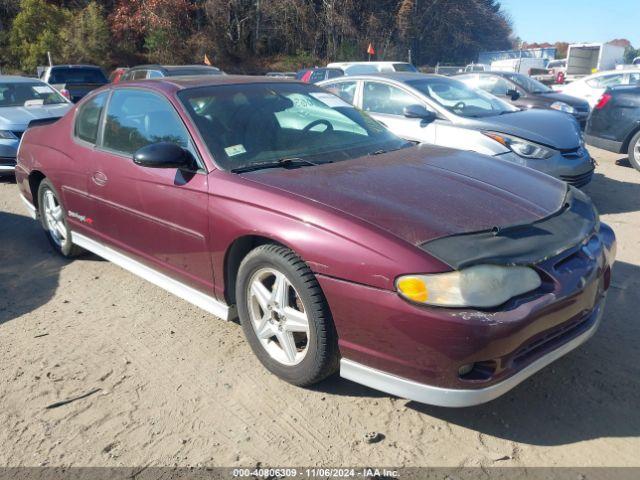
[{"x": 528, "y": 244}]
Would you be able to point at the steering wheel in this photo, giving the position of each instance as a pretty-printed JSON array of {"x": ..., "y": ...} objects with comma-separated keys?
[
  {"x": 459, "y": 106},
  {"x": 315, "y": 123}
]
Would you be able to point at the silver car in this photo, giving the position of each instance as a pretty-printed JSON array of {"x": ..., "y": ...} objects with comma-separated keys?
[
  {"x": 23, "y": 100},
  {"x": 442, "y": 111}
]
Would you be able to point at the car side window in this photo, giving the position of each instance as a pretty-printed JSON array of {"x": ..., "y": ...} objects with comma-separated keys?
[
  {"x": 634, "y": 78},
  {"x": 345, "y": 90},
  {"x": 154, "y": 74},
  {"x": 88, "y": 118},
  {"x": 136, "y": 118},
  {"x": 605, "y": 81},
  {"x": 139, "y": 75},
  {"x": 317, "y": 76},
  {"x": 386, "y": 99},
  {"x": 494, "y": 85}
]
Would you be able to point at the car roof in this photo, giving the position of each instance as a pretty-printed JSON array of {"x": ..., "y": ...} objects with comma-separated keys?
[
  {"x": 18, "y": 79},
  {"x": 397, "y": 76},
  {"x": 173, "y": 67},
  {"x": 175, "y": 84},
  {"x": 75, "y": 66}
]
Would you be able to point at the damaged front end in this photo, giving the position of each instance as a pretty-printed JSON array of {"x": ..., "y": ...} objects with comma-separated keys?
[{"x": 575, "y": 223}]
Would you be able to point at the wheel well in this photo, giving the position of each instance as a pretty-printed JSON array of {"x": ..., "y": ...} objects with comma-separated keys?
[
  {"x": 235, "y": 254},
  {"x": 625, "y": 145},
  {"x": 35, "y": 178}
]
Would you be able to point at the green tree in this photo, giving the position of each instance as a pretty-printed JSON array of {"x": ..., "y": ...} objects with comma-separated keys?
[
  {"x": 35, "y": 31},
  {"x": 87, "y": 37},
  {"x": 630, "y": 53}
]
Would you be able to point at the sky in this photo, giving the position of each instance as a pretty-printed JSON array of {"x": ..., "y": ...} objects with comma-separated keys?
[{"x": 575, "y": 21}]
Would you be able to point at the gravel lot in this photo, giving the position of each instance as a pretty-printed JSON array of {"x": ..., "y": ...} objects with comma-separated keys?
[{"x": 178, "y": 387}]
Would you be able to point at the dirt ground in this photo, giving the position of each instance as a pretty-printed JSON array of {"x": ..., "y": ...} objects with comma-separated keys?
[{"x": 178, "y": 387}]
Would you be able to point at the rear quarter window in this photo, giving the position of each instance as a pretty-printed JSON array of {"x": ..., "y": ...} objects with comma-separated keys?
[{"x": 88, "y": 118}]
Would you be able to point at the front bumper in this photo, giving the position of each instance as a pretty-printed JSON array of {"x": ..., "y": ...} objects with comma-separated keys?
[
  {"x": 452, "y": 397},
  {"x": 8, "y": 152},
  {"x": 573, "y": 166},
  {"x": 417, "y": 352}
]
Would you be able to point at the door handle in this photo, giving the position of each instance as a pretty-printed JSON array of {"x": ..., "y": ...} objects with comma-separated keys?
[{"x": 99, "y": 178}]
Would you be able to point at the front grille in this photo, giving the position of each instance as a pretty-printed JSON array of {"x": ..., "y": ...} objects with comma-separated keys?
[
  {"x": 578, "y": 180},
  {"x": 8, "y": 161},
  {"x": 17, "y": 134}
]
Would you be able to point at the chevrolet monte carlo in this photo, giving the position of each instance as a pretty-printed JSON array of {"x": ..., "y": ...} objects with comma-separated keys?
[{"x": 442, "y": 276}]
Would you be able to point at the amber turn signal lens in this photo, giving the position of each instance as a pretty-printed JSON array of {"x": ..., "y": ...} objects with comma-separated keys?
[{"x": 414, "y": 289}]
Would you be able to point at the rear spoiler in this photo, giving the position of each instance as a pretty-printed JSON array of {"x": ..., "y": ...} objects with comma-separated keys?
[{"x": 39, "y": 122}]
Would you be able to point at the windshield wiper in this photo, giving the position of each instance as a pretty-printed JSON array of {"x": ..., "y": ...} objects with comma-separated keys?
[
  {"x": 381, "y": 151},
  {"x": 281, "y": 163}
]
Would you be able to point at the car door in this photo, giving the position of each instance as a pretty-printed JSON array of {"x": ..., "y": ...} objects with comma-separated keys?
[
  {"x": 158, "y": 215},
  {"x": 386, "y": 103},
  {"x": 346, "y": 90},
  {"x": 75, "y": 189}
]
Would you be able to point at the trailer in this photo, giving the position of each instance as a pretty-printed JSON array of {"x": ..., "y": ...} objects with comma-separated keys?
[
  {"x": 522, "y": 65},
  {"x": 586, "y": 58}
]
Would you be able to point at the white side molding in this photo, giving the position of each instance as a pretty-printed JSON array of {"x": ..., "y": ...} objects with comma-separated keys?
[
  {"x": 191, "y": 295},
  {"x": 451, "y": 397},
  {"x": 33, "y": 213}
]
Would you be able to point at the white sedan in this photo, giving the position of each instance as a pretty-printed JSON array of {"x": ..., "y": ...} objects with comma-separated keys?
[{"x": 592, "y": 87}]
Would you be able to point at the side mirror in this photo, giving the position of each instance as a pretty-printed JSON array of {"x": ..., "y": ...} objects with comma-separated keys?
[
  {"x": 419, "y": 111},
  {"x": 513, "y": 94},
  {"x": 163, "y": 155}
]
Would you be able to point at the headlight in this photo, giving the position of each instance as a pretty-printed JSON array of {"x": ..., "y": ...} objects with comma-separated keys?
[
  {"x": 7, "y": 135},
  {"x": 563, "y": 107},
  {"x": 521, "y": 147},
  {"x": 478, "y": 286}
]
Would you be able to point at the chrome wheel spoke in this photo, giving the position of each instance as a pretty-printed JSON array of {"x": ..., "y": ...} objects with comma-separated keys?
[
  {"x": 280, "y": 289},
  {"x": 62, "y": 234},
  {"x": 264, "y": 330},
  {"x": 261, "y": 294},
  {"x": 288, "y": 345},
  {"x": 295, "y": 321},
  {"x": 57, "y": 213}
]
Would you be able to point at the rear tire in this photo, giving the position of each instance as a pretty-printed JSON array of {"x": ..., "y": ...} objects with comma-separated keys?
[
  {"x": 285, "y": 316},
  {"x": 634, "y": 151},
  {"x": 53, "y": 217}
]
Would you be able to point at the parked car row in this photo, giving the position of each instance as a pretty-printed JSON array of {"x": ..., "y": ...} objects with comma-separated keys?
[
  {"x": 444, "y": 111},
  {"x": 435, "y": 274}
]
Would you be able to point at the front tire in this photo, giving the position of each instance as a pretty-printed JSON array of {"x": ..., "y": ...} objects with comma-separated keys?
[
  {"x": 285, "y": 316},
  {"x": 53, "y": 217},
  {"x": 634, "y": 151}
]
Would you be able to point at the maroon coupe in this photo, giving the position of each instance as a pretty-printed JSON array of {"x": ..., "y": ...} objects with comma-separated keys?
[{"x": 442, "y": 276}]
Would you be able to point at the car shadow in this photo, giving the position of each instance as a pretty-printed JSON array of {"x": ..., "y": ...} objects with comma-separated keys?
[
  {"x": 29, "y": 268},
  {"x": 614, "y": 196}
]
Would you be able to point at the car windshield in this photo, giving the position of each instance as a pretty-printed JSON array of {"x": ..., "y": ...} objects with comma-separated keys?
[
  {"x": 461, "y": 99},
  {"x": 25, "y": 94},
  {"x": 528, "y": 84},
  {"x": 250, "y": 124},
  {"x": 71, "y": 75}
]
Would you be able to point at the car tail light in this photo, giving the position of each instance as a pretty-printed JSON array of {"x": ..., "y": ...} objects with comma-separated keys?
[
  {"x": 65, "y": 93},
  {"x": 604, "y": 99}
]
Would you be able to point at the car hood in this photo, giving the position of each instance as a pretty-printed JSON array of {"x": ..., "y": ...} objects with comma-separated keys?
[
  {"x": 17, "y": 118},
  {"x": 547, "y": 127},
  {"x": 425, "y": 192},
  {"x": 563, "y": 97}
]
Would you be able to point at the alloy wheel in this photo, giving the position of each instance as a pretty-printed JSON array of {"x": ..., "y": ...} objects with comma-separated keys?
[
  {"x": 278, "y": 316},
  {"x": 54, "y": 218},
  {"x": 636, "y": 151}
]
